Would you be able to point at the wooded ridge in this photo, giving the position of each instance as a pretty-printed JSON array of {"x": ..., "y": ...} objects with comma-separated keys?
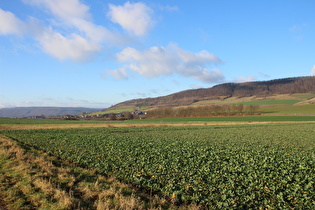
[{"x": 226, "y": 90}]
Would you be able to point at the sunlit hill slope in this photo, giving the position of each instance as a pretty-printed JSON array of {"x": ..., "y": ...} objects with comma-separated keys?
[{"x": 272, "y": 93}]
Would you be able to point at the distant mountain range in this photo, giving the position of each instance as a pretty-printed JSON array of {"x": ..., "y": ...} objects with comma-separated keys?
[
  {"x": 226, "y": 90},
  {"x": 20, "y": 112}
]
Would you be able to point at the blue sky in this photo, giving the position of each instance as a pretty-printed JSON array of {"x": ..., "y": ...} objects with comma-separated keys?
[{"x": 96, "y": 53}]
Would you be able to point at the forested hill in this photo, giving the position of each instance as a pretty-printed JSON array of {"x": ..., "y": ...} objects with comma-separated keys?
[{"x": 259, "y": 88}]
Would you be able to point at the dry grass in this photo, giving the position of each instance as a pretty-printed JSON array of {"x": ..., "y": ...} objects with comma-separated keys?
[{"x": 31, "y": 179}]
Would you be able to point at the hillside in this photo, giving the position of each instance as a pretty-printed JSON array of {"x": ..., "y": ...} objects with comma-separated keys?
[
  {"x": 224, "y": 92},
  {"x": 20, "y": 112}
]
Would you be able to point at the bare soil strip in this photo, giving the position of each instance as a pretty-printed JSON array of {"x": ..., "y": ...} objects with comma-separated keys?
[{"x": 106, "y": 125}]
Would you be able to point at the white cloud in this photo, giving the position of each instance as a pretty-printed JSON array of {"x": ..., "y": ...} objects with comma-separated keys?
[
  {"x": 150, "y": 63},
  {"x": 118, "y": 73},
  {"x": 70, "y": 33},
  {"x": 244, "y": 79},
  {"x": 73, "y": 47},
  {"x": 168, "y": 60},
  {"x": 207, "y": 76},
  {"x": 72, "y": 13},
  {"x": 9, "y": 24},
  {"x": 313, "y": 71},
  {"x": 69, "y": 9},
  {"x": 133, "y": 17},
  {"x": 195, "y": 86}
]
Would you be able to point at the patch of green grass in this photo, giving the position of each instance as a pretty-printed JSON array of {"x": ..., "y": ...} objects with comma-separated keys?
[
  {"x": 226, "y": 119},
  {"x": 208, "y": 102},
  {"x": 285, "y": 99},
  {"x": 299, "y": 109},
  {"x": 270, "y": 102},
  {"x": 303, "y": 96},
  {"x": 269, "y": 110}
]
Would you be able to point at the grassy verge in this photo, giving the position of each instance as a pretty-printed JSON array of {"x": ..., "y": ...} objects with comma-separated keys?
[
  {"x": 305, "y": 109},
  {"x": 32, "y": 179},
  {"x": 235, "y": 119},
  {"x": 270, "y": 102},
  {"x": 29, "y": 124}
]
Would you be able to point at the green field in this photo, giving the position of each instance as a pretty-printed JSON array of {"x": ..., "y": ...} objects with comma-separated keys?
[
  {"x": 307, "y": 109},
  {"x": 303, "y": 96},
  {"x": 236, "y": 166},
  {"x": 227, "y": 119},
  {"x": 270, "y": 102},
  {"x": 11, "y": 121}
]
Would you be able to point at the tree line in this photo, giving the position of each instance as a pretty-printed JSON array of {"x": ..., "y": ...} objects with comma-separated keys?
[{"x": 203, "y": 111}]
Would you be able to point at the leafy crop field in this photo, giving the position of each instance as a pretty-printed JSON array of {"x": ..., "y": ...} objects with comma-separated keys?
[{"x": 236, "y": 166}]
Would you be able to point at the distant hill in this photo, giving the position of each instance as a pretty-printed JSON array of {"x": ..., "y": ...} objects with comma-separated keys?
[
  {"x": 224, "y": 91},
  {"x": 20, "y": 112}
]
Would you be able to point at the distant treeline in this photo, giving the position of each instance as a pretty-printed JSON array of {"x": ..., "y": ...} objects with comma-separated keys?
[{"x": 202, "y": 111}]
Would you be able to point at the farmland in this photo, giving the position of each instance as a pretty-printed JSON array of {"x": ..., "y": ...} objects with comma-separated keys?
[
  {"x": 278, "y": 104},
  {"x": 217, "y": 166}
]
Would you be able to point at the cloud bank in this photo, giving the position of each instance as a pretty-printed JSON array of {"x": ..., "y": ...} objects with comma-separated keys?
[
  {"x": 157, "y": 61},
  {"x": 313, "y": 71},
  {"x": 70, "y": 32}
]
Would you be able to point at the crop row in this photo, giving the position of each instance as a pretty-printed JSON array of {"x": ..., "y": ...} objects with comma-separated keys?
[{"x": 240, "y": 166}]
